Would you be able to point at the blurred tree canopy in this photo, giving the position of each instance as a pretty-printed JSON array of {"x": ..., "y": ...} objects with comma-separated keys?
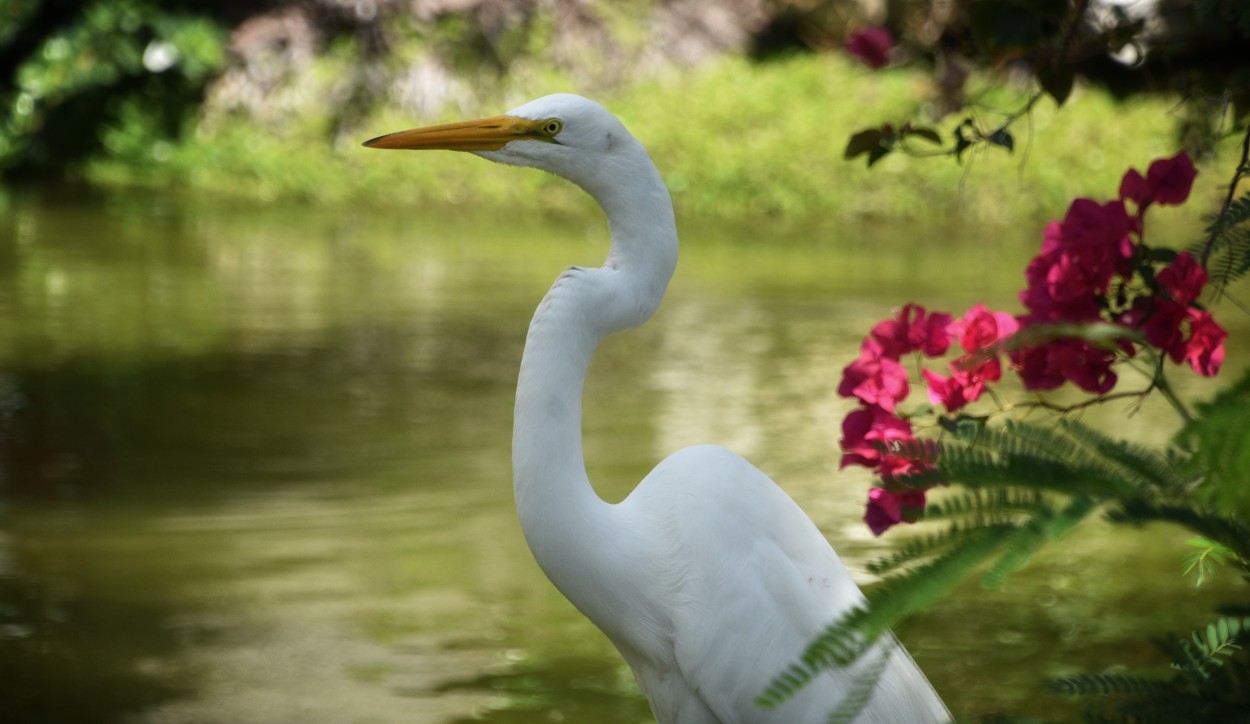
[
  {"x": 121, "y": 77},
  {"x": 78, "y": 76}
]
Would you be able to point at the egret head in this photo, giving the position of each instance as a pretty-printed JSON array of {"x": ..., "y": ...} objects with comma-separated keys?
[{"x": 563, "y": 133}]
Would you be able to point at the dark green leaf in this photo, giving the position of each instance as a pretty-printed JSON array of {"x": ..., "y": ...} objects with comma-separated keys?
[
  {"x": 865, "y": 141},
  {"x": 927, "y": 134},
  {"x": 1163, "y": 256},
  {"x": 1057, "y": 83},
  {"x": 961, "y": 145},
  {"x": 1220, "y": 441},
  {"x": 1002, "y": 138}
]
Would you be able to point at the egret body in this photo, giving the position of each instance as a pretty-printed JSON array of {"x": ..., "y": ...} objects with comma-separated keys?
[{"x": 708, "y": 578}]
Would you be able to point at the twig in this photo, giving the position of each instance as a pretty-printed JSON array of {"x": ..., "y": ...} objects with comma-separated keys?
[
  {"x": 1065, "y": 409},
  {"x": 1243, "y": 167}
]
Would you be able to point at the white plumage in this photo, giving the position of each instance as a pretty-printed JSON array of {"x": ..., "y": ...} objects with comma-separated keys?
[{"x": 708, "y": 578}]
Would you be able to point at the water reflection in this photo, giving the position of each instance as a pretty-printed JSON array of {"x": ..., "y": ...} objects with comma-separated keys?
[{"x": 256, "y": 460}]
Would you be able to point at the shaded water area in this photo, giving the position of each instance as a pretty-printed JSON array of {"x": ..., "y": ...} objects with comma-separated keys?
[{"x": 255, "y": 461}]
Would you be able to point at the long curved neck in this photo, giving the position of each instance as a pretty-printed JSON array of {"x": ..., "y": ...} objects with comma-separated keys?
[{"x": 562, "y": 516}]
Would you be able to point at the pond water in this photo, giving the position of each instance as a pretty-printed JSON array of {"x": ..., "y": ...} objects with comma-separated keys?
[{"x": 255, "y": 461}]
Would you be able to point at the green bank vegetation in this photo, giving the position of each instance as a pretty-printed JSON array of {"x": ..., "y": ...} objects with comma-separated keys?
[{"x": 733, "y": 139}]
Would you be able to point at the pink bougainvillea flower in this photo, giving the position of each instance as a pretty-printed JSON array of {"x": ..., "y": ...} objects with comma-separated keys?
[
  {"x": 1171, "y": 323},
  {"x": 1094, "y": 225},
  {"x": 1079, "y": 258},
  {"x": 967, "y": 380},
  {"x": 1098, "y": 235},
  {"x": 912, "y": 329},
  {"x": 1204, "y": 350},
  {"x": 866, "y": 430},
  {"x": 980, "y": 329},
  {"x": 900, "y": 468},
  {"x": 1048, "y": 366},
  {"x": 947, "y": 391},
  {"x": 1168, "y": 181},
  {"x": 887, "y": 508},
  {"x": 871, "y": 45},
  {"x": 1133, "y": 188},
  {"x": 1059, "y": 287},
  {"x": 1158, "y": 319},
  {"x": 1183, "y": 278},
  {"x": 875, "y": 378}
]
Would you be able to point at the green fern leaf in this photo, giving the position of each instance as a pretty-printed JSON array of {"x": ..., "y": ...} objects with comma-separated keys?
[
  {"x": 1204, "y": 561},
  {"x": 852, "y": 705},
  {"x": 1046, "y": 457},
  {"x": 1230, "y": 532},
  {"x": 933, "y": 544},
  {"x": 1152, "y": 469},
  {"x": 1226, "y": 249},
  {"x": 847, "y": 639},
  {"x": 1107, "y": 684},
  {"x": 980, "y": 503},
  {"x": 1024, "y": 542},
  {"x": 1220, "y": 442}
]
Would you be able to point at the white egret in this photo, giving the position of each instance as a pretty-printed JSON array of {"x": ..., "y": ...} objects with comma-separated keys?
[{"x": 708, "y": 578}]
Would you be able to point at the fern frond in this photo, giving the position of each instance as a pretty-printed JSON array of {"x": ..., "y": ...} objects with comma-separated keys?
[
  {"x": 909, "y": 593},
  {"x": 1220, "y": 638},
  {"x": 1230, "y": 532},
  {"x": 1234, "y": 257},
  {"x": 1206, "y": 648},
  {"x": 981, "y": 503},
  {"x": 1192, "y": 660},
  {"x": 1134, "y": 461},
  {"x": 1047, "y": 457},
  {"x": 932, "y": 544},
  {"x": 1020, "y": 547},
  {"x": 848, "y": 638},
  {"x": 1107, "y": 684},
  {"x": 1070, "y": 516},
  {"x": 861, "y": 690},
  {"x": 1238, "y": 212},
  {"x": 1226, "y": 248},
  {"x": 1204, "y": 561},
  {"x": 1004, "y": 461}
]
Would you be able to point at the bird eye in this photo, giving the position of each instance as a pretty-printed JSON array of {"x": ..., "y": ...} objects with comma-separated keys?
[{"x": 552, "y": 127}]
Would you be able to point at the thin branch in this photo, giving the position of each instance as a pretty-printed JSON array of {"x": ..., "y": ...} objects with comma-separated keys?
[
  {"x": 1243, "y": 167},
  {"x": 1138, "y": 395}
]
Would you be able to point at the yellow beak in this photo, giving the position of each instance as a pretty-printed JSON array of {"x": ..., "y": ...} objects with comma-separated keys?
[{"x": 484, "y": 134}]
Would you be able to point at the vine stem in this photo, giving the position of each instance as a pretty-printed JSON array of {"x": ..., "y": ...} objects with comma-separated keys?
[{"x": 1243, "y": 167}]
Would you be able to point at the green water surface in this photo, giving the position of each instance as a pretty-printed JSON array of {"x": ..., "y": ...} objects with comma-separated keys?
[{"x": 254, "y": 462}]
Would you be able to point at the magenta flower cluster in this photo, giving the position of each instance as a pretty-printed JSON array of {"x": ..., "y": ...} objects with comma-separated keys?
[
  {"x": 871, "y": 45},
  {"x": 1093, "y": 267}
]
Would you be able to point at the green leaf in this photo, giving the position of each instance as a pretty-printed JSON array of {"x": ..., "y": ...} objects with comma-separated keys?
[
  {"x": 1161, "y": 255},
  {"x": 865, "y": 141},
  {"x": 927, "y": 134},
  {"x": 1003, "y": 138},
  {"x": 1105, "y": 684},
  {"x": 1203, "y": 562},
  {"x": 964, "y": 133},
  {"x": 1220, "y": 441},
  {"x": 1057, "y": 83}
]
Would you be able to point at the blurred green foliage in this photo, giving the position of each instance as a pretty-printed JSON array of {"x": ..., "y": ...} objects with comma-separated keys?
[
  {"x": 733, "y": 139},
  {"x": 117, "y": 89},
  {"x": 124, "y": 76}
]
